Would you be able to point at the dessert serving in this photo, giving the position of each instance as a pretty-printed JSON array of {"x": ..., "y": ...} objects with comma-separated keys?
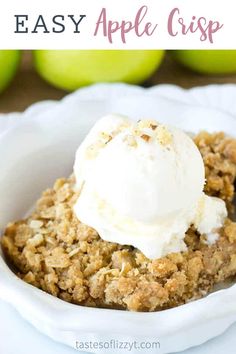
[{"x": 144, "y": 223}]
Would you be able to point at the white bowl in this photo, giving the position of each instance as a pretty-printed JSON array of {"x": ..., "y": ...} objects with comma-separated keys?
[{"x": 38, "y": 146}]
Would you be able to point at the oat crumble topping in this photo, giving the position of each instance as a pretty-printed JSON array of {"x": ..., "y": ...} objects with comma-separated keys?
[{"x": 55, "y": 252}]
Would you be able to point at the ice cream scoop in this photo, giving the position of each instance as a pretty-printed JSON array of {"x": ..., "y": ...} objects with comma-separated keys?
[{"x": 141, "y": 184}]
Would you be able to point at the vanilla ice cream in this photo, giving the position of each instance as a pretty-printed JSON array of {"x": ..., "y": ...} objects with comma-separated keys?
[{"x": 141, "y": 184}]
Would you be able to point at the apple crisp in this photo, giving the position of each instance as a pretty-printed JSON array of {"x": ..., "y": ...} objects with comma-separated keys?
[{"x": 55, "y": 252}]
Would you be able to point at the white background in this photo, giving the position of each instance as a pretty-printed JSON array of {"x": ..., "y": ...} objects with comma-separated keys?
[{"x": 159, "y": 10}]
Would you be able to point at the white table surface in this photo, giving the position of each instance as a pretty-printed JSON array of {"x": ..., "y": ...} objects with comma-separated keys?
[{"x": 19, "y": 337}]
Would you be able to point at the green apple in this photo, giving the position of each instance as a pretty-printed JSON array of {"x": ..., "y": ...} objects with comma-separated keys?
[
  {"x": 9, "y": 62},
  {"x": 207, "y": 61},
  {"x": 70, "y": 69}
]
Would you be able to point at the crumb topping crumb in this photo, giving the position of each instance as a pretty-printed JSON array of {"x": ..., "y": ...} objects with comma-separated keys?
[
  {"x": 145, "y": 137},
  {"x": 164, "y": 136}
]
